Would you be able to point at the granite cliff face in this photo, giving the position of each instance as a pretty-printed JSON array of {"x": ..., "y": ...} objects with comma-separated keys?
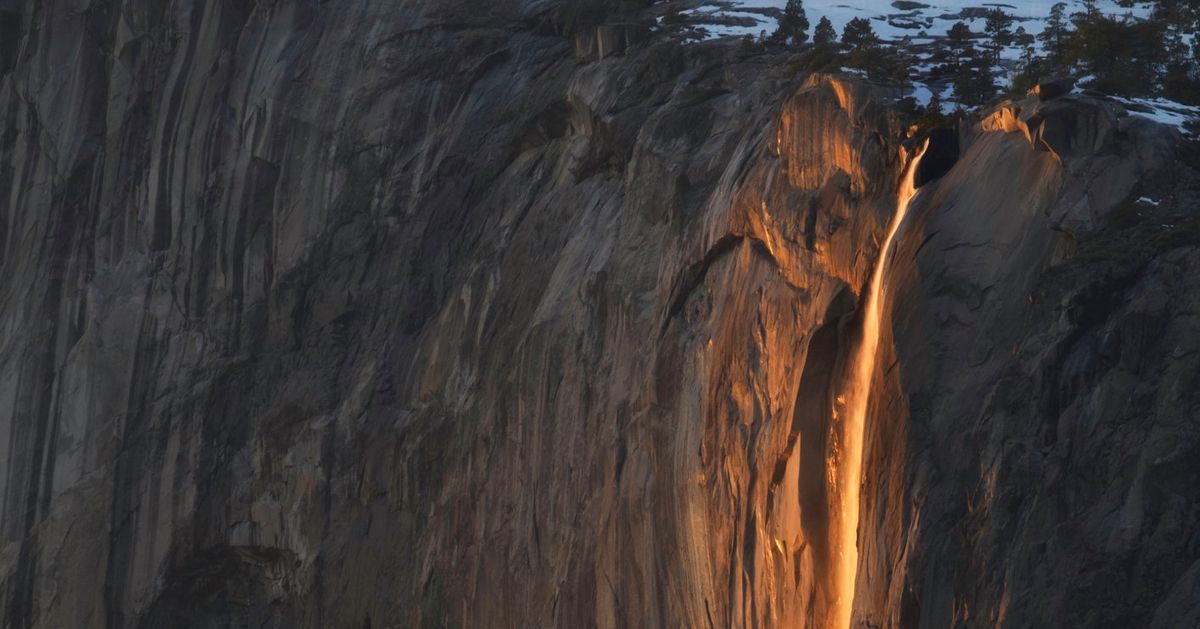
[{"x": 375, "y": 314}]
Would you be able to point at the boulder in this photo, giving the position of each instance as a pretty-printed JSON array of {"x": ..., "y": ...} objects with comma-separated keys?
[
  {"x": 1053, "y": 88},
  {"x": 1153, "y": 143},
  {"x": 1074, "y": 127}
]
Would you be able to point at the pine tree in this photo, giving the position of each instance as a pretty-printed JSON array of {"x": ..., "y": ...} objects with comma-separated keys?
[
  {"x": 898, "y": 62},
  {"x": 958, "y": 38},
  {"x": 933, "y": 116},
  {"x": 824, "y": 33},
  {"x": 793, "y": 25},
  {"x": 974, "y": 83},
  {"x": 998, "y": 27},
  {"x": 1031, "y": 63},
  {"x": 1054, "y": 36},
  {"x": 1025, "y": 41},
  {"x": 859, "y": 34},
  {"x": 959, "y": 34},
  {"x": 1123, "y": 56},
  {"x": 866, "y": 52},
  {"x": 1180, "y": 20}
]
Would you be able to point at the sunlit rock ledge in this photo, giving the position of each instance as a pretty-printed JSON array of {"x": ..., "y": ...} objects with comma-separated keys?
[{"x": 1107, "y": 152}]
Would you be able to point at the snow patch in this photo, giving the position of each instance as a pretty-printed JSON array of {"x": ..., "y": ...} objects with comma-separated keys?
[
  {"x": 1163, "y": 111},
  {"x": 891, "y": 23}
]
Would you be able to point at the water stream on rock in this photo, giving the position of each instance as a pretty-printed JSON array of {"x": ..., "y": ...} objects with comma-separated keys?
[{"x": 846, "y": 459}]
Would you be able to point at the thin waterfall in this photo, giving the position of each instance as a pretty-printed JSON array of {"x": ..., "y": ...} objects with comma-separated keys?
[{"x": 846, "y": 459}]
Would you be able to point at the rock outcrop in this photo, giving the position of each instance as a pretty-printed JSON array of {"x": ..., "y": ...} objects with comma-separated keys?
[
  {"x": 416, "y": 314},
  {"x": 1105, "y": 156},
  {"x": 1045, "y": 377}
]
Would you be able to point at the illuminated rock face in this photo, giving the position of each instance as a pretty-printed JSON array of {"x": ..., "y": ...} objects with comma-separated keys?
[{"x": 376, "y": 314}]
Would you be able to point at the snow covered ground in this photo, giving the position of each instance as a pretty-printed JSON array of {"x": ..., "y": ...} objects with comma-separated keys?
[
  {"x": 921, "y": 21},
  {"x": 1167, "y": 112},
  {"x": 890, "y": 22}
]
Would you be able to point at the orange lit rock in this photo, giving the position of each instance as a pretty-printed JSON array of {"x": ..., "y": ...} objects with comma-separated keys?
[{"x": 1003, "y": 119}]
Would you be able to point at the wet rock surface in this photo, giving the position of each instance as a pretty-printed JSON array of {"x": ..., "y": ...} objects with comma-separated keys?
[{"x": 377, "y": 314}]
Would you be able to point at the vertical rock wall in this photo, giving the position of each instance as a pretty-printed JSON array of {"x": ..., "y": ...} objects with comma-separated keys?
[
  {"x": 376, "y": 314},
  {"x": 309, "y": 322}
]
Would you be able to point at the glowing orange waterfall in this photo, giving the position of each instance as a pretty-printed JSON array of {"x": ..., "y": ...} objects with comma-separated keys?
[{"x": 846, "y": 461}]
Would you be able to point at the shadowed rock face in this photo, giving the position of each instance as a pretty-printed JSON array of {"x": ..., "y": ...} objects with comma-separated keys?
[
  {"x": 940, "y": 155},
  {"x": 378, "y": 314}
]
